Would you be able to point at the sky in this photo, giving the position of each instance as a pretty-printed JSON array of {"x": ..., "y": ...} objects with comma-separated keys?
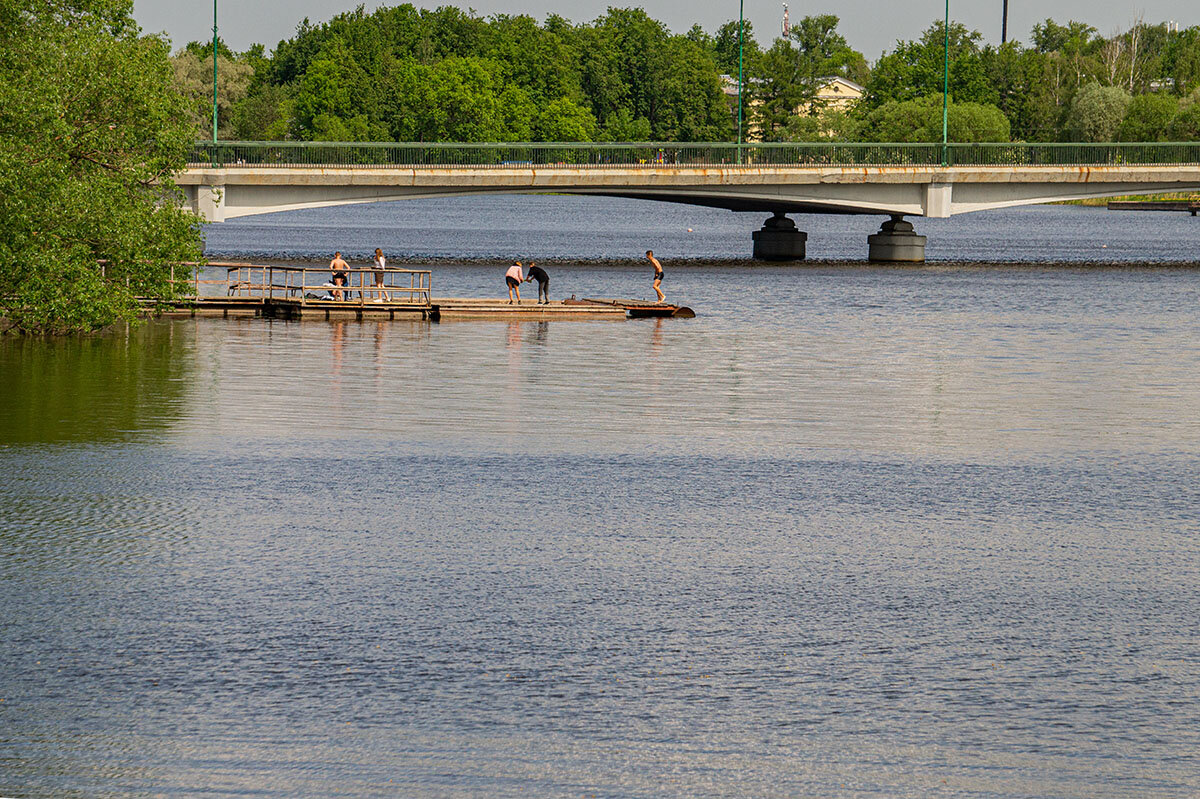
[{"x": 871, "y": 26}]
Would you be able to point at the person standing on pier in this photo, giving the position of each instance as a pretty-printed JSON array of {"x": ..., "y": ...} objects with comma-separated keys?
[
  {"x": 543, "y": 281},
  {"x": 658, "y": 275},
  {"x": 513, "y": 278},
  {"x": 341, "y": 274},
  {"x": 380, "y": 265}
]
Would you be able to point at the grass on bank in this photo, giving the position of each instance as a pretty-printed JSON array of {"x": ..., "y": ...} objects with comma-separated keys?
[{"x": 1101, "y": 202}]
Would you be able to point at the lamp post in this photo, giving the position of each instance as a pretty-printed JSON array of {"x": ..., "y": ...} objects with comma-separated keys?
[
  {"x": 215, "y": 71},
  {"x": 945, "y": 90},
  {"x": 741, "y": 24}
]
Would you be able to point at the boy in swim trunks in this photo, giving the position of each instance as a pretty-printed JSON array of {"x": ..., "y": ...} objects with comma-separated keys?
[
  {"x": 658, "y": 275},
  {"x": 340, "y": 274}
]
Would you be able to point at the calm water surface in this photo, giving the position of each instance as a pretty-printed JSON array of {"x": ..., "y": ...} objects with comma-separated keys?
[{"x": 851, "y": 532}]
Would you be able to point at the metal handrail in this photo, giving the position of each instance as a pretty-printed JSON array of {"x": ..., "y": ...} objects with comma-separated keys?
[
  {"x": 756, "y": 155},
  {"x": 266, "y": 281}
]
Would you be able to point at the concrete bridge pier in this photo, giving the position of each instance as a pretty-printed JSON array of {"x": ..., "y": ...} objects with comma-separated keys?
[
  {"x": 896, "y": 242},
  {"x": 778, "y": 240},
  {"x": 209, "y": 202}
]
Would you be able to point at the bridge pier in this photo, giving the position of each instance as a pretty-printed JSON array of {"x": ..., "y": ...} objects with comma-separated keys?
[
  {"x": 896, "y": 242},
  {"x": 209, "y": 203},
  {"x": 778, "y": 240}
]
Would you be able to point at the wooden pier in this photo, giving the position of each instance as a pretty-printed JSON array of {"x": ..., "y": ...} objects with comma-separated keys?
[
  {"x": 293, "y": 292},
  {"x": 1191, "y": 206}
]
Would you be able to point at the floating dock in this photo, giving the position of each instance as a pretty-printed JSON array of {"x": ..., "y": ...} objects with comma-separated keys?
[
  {"x": 438, "y": 309},
  {"x": 1191, "y": 206},
  {"x": 289, "y": 292}
]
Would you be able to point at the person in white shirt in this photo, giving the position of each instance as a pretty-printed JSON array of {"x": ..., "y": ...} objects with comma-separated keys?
[
  {"x": 513, "y": 278},
  {"x": 380, "y": 265}
]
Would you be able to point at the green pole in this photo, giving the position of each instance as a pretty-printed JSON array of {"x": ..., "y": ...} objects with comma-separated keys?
[
  {"x": 945, "y": 91},
  {"x": 215, "y": 71},
  {"x": 741, "y": 24}
]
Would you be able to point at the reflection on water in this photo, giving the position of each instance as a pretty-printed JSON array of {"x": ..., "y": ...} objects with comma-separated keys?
[
  {"x": 889, "y": 533},
  {"x": 94, "y": 388}
]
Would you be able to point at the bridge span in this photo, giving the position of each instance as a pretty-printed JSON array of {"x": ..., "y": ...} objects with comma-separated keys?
[{"x": 242, "y": 179}]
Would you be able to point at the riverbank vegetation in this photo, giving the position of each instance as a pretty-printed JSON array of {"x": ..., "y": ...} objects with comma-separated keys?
[
  {"x": 91, "y": 131},
  {"x": 407, "y": 74}
]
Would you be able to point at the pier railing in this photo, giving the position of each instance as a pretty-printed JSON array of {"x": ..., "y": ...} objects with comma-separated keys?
[
  {"x": 362, "y": 286},
  {"x": 757, "y": 155}
]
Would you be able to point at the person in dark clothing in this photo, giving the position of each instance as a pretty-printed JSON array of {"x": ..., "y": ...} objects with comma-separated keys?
[{"x": 543, "y": 280}]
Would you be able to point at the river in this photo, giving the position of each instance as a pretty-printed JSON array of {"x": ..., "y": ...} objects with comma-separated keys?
[{"x": 852, "y": 531}]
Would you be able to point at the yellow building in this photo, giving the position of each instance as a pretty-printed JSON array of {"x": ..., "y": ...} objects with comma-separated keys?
[{"x": 836, "y": 93}]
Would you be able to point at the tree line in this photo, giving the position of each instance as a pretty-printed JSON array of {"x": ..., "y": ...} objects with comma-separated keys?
[
  {"x": 91, "y": 132},
  {"x": 407, "y": 74}
]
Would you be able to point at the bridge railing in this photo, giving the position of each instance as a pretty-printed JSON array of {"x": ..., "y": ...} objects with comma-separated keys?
[{"x": 657, "y": 154}]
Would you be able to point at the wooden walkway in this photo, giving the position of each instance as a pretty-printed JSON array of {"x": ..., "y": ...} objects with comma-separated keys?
[
  {"x": 438, "y": 309},
  {"x": 289, "y": 292}
]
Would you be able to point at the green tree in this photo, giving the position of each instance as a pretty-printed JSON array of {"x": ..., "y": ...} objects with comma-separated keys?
[
  {"x": 790, "y": 74},
  {"x": 920, "y": 120},
  {"x": 1181, "y": 59},
  {"x": 914, "y": 69},
  {"x": 1147, "y": 118},
  {"x": 336, "y": 100},
  {"x": 454, "y": 100},
  {"x": 91, "y": 133},
  {"x": 689, "y": 102},
  {"x": 1026, "y": 91},
  {"x": 622, "y": 126},
  {"x": 564, "y": 121},
  {"x": 1069, "y": 39},
  {"x": 1096, "y": 112},
  {"x": 265, "y": 114},
  {"x": 1185, "y": 125},
  {"x": 725, "y": 47},
  {"x": 193, "y": 79}
]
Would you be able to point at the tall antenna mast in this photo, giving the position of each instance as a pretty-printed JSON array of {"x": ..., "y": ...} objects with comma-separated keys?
[
  {"x": 1004, "y": 25},
  {"x": 787, "y": 26}
]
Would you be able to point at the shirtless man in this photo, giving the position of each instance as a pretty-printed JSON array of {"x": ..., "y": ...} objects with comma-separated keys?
[
  {"x": 341, "y": 274},
  {"x": 658, "y": 275},
  {"x": 513, "y": 278}
]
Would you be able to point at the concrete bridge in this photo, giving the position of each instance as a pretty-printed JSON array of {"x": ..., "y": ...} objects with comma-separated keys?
[{"x": 241, "y": 179}]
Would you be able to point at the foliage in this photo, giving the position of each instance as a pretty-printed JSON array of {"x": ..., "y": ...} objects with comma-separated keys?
[
  {"x": 91, "y": 132},
  {"x": 1096, "y": 112},
  {"x": 915, "y": 69},
  {"x": 725, "y": 47},
  {"x": 1185, "y": 125},
  {"x": 193, "y": 78},
  {"x": 920, "y": 120},
  {"x": 1147, "y": 118},
  {"x": 1069, "y": 39},
  {"x": 791, "y": 73},
  {"x": 625, "y": 76},
  {"x": 446, "y": 75}
]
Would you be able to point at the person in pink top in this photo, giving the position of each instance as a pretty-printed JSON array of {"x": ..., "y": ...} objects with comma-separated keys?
[{"x": 513, "y": 278}]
